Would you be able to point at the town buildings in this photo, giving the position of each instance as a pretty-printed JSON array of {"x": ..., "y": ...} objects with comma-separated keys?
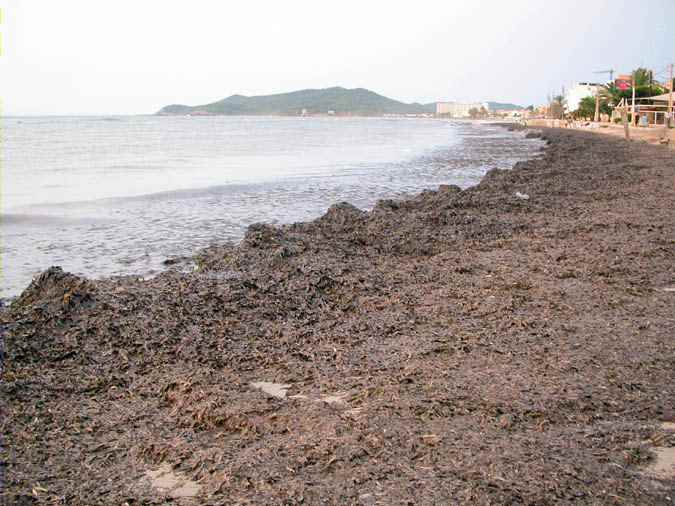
[
  {"x": 574, "y": 94},
  {"x": 459, "y": 109}
]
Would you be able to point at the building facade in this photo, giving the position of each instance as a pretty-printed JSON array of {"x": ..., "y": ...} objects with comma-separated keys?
[
  {"x": 459, "y": 109},
  {"x": 575, "y": 93}
]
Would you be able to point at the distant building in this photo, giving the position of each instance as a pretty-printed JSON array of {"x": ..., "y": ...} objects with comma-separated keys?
[
  {"x": 623, "y": 82},
  {"x": 579, "y": 91},
  {"x": 459, "y": 109}
]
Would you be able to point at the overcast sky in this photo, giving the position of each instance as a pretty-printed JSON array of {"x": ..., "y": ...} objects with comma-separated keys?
[{"x": 133, "y": 56}]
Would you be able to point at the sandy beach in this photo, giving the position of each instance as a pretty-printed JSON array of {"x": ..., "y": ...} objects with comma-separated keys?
[
  {"x": 512, "y": 343},
  {"x": 654, "y": 134}
]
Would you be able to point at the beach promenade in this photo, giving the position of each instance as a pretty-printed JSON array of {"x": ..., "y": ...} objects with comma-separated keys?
[{"x": 650, "y": 135}]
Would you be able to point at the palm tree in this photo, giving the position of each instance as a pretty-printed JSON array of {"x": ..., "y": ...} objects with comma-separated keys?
[
  {"x": 610, "y": 94},
  {"x": 557, "y": 107},
  {"x": 643, "y": 77}
]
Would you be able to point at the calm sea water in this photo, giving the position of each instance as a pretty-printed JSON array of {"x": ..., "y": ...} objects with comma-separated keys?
[{"x": 104, "y": 196}]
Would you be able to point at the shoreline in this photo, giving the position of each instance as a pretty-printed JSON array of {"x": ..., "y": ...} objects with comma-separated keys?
[
  {"x": 472, "y": 345},
  {"x": 649, "y": 135},
  {"x": 111, "y": 219}
]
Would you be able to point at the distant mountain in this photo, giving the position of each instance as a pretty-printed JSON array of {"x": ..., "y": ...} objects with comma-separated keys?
[
  {"x": 500, "y": 106},
  {"x": 358, "y": 101}
]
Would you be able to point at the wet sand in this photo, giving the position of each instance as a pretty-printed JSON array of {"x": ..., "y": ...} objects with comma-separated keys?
[{"x": 512, "y": 343}]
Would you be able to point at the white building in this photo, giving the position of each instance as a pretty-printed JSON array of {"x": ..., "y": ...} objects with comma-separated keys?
[
  {"x": 575, "y": 93},
  {"x": 459, "y": 109}
]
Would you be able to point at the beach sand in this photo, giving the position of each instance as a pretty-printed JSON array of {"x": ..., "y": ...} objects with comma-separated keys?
[
  {"x": 512, "y": 343},
  {"x": 652, "y": 135}
]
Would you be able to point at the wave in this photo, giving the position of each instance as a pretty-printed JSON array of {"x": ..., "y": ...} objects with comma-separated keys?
[{"x": 39, "y": 220}]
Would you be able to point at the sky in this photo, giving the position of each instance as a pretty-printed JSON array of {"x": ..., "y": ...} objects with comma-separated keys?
[{"x": 133, "y": 57}]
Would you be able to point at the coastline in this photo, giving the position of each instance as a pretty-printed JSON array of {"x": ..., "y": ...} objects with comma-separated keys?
[
  {"x": 214, "y": 190},
  {"x": 649, "y": 135},
  {"x": 511, "y": 342}
]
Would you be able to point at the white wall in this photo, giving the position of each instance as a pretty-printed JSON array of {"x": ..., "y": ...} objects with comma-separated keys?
[{"x": 575, "y": 93}]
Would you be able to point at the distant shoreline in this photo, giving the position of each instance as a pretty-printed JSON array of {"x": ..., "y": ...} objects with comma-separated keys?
[{"x": 336, "y": 101}]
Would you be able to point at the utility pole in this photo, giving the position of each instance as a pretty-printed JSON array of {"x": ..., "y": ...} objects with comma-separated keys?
[
  {"x": 624, "y": 119},
  {"x": 597, "y": 106},
  {"x": 670, "y": 99},
  {"x": 632, "y": 105},
  {"x": 597, "y": 92}
]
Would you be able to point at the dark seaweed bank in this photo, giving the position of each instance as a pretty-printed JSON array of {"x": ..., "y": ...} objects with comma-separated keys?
[{"x": 511, "y": 343}]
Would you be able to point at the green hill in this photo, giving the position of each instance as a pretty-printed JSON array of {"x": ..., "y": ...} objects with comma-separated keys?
[
  {"x": 500, "y": 106},
  {"x": 356, "y": 101}
]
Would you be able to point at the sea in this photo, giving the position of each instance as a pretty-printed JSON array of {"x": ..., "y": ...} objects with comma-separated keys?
[{"x": 118, "y": 195}]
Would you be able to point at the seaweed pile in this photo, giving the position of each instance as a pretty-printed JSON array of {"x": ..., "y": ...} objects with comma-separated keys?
[{"x": 512, "y": 343}]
